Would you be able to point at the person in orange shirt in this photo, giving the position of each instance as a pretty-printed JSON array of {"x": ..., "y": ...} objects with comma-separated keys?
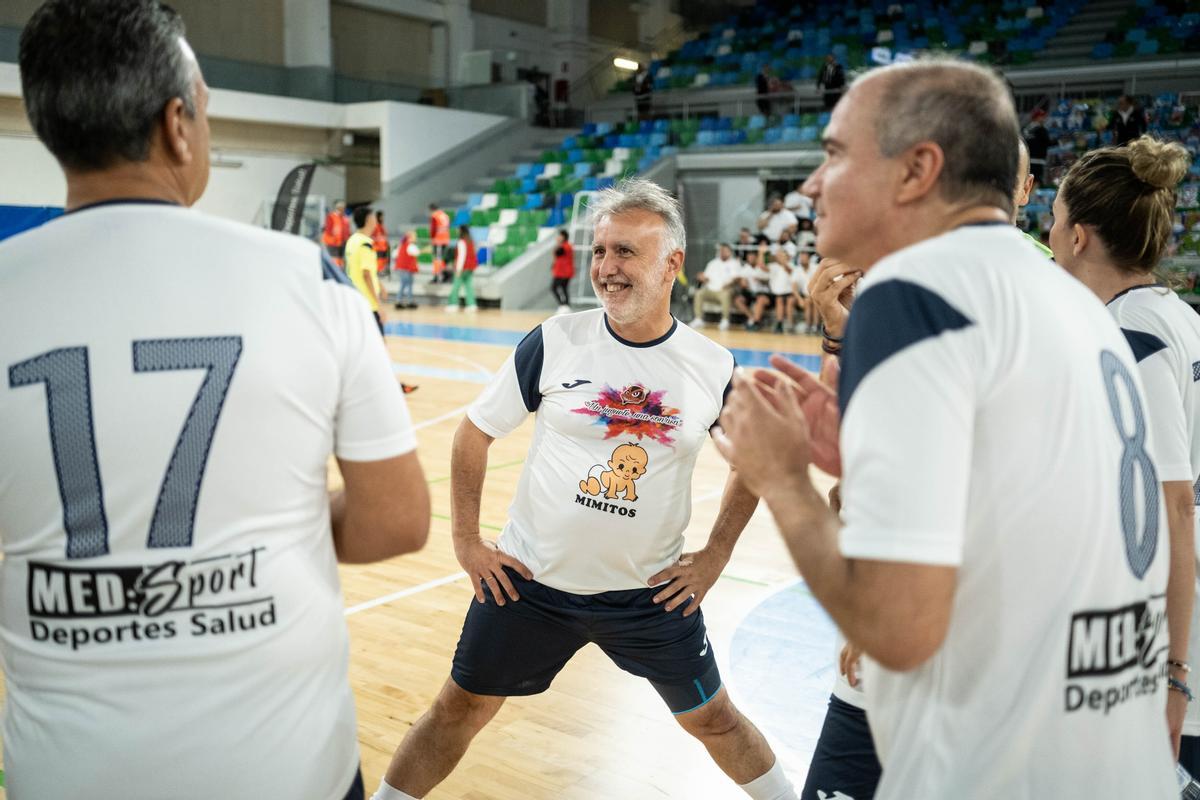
[
  {"x": 405, "y": 268},
  {"x": 337, "y": 231},
  {"x": 380, "y": 240},
  {"x": 439, "y": 234}
]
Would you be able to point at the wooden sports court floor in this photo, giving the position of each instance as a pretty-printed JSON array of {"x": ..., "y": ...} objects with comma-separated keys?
[{"x": 598, "y": 733}]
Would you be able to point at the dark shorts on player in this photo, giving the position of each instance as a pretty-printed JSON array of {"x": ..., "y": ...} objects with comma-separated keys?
[
  {"x": 1189, "y": 754},
  {"x": 844, "y": 763},
  {"x": 518, "y": 648}
]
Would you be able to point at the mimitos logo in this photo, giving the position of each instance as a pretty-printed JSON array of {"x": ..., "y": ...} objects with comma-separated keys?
[{"x": 1113, "y": 655}]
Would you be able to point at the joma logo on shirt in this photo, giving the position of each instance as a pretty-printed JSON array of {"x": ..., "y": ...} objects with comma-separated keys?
[{"x": 1111, "y": 641}]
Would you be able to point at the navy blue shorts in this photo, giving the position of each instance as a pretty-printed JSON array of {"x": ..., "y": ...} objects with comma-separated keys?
[
  {"x": 844, "y": 763},
  {"x": 517, "y": 649}
]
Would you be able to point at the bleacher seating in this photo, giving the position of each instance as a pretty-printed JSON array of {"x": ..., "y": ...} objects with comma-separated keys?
[
  {"x": 1077, "y": 126},
  {"x": 793, "y": 39},
  {"x": 1151, "y": 29}
]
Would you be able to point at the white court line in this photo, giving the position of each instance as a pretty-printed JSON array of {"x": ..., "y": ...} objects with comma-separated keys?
[
  {"x": 475, "y": 365},
  {"x": 387, "y": 598},
  {"x": 442, "y": 418}
]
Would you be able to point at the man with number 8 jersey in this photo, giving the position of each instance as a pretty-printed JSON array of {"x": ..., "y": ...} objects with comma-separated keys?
[
  {"x": 171, "y": 621},
  {"x": 1002, "y": 556}
]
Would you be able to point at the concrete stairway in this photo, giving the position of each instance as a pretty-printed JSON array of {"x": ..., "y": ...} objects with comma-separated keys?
[{"x": 1075, "y": 40}]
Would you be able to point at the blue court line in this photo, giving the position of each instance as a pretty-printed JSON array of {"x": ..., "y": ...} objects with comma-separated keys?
[
  {"x": 451, "y": 333},
  {"x": 425, "y": 371}
]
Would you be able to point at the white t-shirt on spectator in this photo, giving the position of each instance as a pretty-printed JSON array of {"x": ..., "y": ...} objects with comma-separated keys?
[
  {"x": 781, "y": 278},
  {"x": 805, "y": 240},
  {"x": 799, "y": 204},
  {"x": 1164, "y": 334},
  {"x": 757, "y": 278},
  {"x": 992, "y": 421},
  {"x": 171, "y": 617},
  {"x": 778, "y": 222},
  {"x": 802, "y": 274},
  {"x": 719, "y": 273}
]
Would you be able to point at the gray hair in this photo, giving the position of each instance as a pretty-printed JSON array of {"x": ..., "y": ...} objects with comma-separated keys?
[
  {"x": 639, "y": 194},
  {"x": 963, "y": 108},
  {"x": 96, "y": 75}
]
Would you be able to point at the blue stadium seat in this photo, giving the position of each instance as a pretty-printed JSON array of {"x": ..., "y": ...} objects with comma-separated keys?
[
  {"x": 474, "y": 199},
  {"x": 645, "y": 126},
  {"x": 756, "y": 121},
  {"x": 574, "y": 156},
  {"x": 791, "y": 135},
  {"x": 589, "y": 128},
  {"x": 772, "y": 135},
  {"x": 809, "y": 133},
  {"x": 662, "y": 125},
  {"x": 524, "y": 170},
  {"x": 791, "y": 120},
  {"x": 706, "y": 138},
  {"x": 533, "y": 200},
  {"x": 583, "y": 169},
  {"x": 462, "y": 216},
  {"x": 591, "y": 184}
]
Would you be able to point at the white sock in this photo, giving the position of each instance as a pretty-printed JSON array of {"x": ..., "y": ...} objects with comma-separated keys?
[
  {"x": 388, "y": 792},
  {"x": 771, "y": 785}
]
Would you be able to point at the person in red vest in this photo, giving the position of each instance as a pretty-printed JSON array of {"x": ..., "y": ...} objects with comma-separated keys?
[
  {"x": 337, "y": 231},
  {"x": 562, "y": 271},
  {"x": 405, "y": 268},
  {"x": 439, "y": 234},
  {"x": 380, "y": 241},
  {"x": 465, "y": 262}
]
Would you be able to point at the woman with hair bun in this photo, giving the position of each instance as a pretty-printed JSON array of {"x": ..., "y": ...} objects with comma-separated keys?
[{"x": 1112, "y": 223}]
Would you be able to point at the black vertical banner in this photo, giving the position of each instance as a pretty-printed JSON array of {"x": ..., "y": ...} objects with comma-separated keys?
[{"x": 289, "y": 204}]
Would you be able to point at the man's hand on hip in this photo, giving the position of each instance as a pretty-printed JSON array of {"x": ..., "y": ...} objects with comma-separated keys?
[
  {"x": 484, "y": 563},
  {"x": 689, "y": 577}
]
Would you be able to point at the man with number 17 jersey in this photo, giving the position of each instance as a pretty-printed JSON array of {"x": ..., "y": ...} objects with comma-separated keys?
[{"x": 1051, "y": 679}]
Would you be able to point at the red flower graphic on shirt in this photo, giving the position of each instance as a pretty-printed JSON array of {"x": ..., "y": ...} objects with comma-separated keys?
[{"x": 634, "y": 412}]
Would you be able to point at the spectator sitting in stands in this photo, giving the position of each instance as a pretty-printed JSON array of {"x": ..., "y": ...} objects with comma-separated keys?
[
  {"x": 776, "y": 219},
  {"x": 745, "y": 244},
  {"x": 716, "y": 282},
  {"x": 806, "y": 237},
  {"x": 798, "y": 203},
  {"x": 1127, "y": 122},
  {"x": 755, "y": 293},
  {"x": 780, "y": 284},
  {"x": 806, "y": 264}
]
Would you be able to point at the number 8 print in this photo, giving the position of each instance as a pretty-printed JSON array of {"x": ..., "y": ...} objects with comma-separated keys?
[{"x": 1138, "y": 549}]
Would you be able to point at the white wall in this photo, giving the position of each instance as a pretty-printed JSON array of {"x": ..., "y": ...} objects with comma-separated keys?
[
  {"x": 411, "y": 134},
  {"x": 29, "y": 175}
]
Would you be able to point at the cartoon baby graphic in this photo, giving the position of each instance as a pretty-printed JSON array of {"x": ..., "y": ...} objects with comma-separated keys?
[{"x": 628, "y": 463}]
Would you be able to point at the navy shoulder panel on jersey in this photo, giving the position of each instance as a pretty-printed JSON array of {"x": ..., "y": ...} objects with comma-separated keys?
[
  {"x": 1143, "y": 344},
  {"x": 331, "y": 272},
  {"x": 528, "y": 361},
  {"x": 888, "y": 318}
]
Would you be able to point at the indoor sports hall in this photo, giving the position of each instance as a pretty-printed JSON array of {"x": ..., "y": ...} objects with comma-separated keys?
[{"x": 444, "y": 158}]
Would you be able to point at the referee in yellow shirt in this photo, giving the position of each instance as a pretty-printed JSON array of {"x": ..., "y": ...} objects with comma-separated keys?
[{"x": 361, "y": 261}]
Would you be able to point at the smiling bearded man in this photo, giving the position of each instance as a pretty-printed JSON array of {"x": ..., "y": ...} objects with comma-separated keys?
[{"x": 573, "y": 566}]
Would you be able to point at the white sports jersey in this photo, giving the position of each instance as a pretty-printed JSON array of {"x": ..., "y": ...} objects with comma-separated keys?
[
  {"x": 993, "y": 422},
  {"x": 605, "y": 494},
  {"x": 171, "y": 620},
  {"x": 1164, "y": 333}
]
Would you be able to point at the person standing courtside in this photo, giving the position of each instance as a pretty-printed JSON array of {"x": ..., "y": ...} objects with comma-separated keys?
[
  {"x": 383, "y": 248},
  {"x": 361, "y": 266},
  {"x": 172, "y": 623},
  {"x": 336, "y": 232},
  {"x": 439, "y": 235},
  {"x": 1002, "y": 543},
  {"x": 832, "y": 80},
  {"x": 624, "y": 398},
  {"x": 561, "y": 272},
  {"x": 465, "y": 263},
  {"x": 1112, "y": 225}
]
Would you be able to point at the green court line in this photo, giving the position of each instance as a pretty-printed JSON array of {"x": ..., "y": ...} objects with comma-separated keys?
[
  {"x": 491, "y": 467},
  {"x": 482, "y": 525}
]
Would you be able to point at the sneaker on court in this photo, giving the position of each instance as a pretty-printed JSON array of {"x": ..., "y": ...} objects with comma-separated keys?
[
  {"x": 564, "y": 310},
  {"x": 472, "y": 309},
  {"x": 779, "y": 327},
  {"x": 698, "y": 322},
  {"x": 452, "y": 309},
  {"x": 724, "y": 326}
]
